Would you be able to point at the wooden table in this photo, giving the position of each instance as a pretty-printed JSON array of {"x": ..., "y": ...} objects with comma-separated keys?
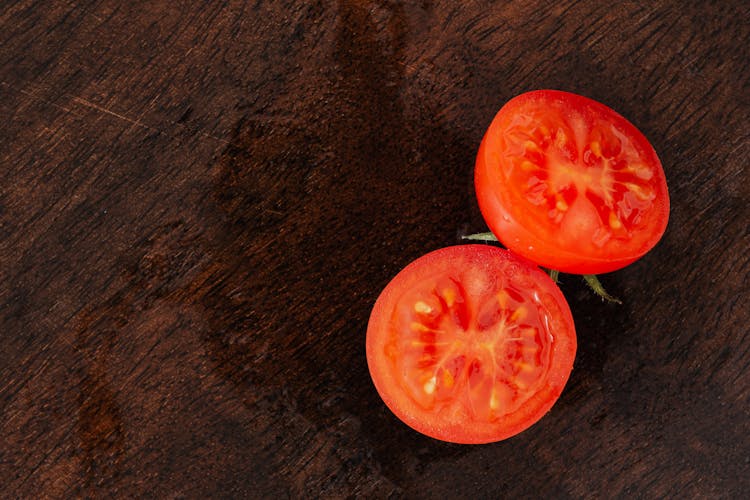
[{"x": 200, "y": 202}]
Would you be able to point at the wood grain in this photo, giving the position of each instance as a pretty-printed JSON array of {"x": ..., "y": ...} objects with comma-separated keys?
[{"x": 200, "y": 202}]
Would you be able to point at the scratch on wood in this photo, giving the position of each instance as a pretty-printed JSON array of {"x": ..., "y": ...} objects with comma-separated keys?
[
  {"x": 83, "y": 102},
  {"x": 90, "y": 104}
]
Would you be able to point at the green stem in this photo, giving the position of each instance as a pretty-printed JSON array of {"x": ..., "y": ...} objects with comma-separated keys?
[
  {"x": 593, "y": 282},
  {"x": 480, "y": 237},
  {"x": 554, "y": 274}
]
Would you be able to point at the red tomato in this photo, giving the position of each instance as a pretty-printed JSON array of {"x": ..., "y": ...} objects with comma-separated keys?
[
  {"x": 470, "y": 344},
  {"x": 570, "y": 184}
]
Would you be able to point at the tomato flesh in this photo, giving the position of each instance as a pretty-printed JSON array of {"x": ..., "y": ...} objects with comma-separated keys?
[
  {"x": 570, "y": 184},
  {"x": 470, "y": 344}
]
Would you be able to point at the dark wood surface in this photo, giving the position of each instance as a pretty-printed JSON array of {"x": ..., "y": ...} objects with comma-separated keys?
[{"x": 200, "y": 202}]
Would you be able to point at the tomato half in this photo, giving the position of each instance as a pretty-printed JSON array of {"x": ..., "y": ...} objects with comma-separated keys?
[
  {"x": 570, "y": 184},
  {"x": 470, "y": 344}
]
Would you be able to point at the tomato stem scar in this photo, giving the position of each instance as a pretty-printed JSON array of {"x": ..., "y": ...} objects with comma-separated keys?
[{"x": 593, "y": 282}]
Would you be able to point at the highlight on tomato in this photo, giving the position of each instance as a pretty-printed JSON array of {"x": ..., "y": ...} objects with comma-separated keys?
[
  {"x": 570, "y": 184},
  {"x": 470, "y": 344}
]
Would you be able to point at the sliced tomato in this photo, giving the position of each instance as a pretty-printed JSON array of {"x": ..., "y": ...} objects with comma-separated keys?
[
  {"x": 470, "y": 344},
  {"x": 570, "y": 184}
]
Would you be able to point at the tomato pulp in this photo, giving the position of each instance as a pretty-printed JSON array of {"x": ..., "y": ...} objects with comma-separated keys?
[
  {"x": 570, "y": 184},
  {"x": 470, "y": 344}
]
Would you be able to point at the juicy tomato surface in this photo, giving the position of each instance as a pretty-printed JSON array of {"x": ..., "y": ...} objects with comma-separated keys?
[
  {"x": 470, "y": 344},
  {"x": 570, "y": 184}
]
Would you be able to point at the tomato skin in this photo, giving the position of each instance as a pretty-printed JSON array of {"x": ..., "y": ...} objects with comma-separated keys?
[
  {"x": 479, "y": 270},
  {"x": 519, "y": 207}
]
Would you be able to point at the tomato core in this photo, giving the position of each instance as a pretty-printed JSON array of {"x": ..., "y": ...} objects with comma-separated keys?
[{"x": 498, "y": 358}]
